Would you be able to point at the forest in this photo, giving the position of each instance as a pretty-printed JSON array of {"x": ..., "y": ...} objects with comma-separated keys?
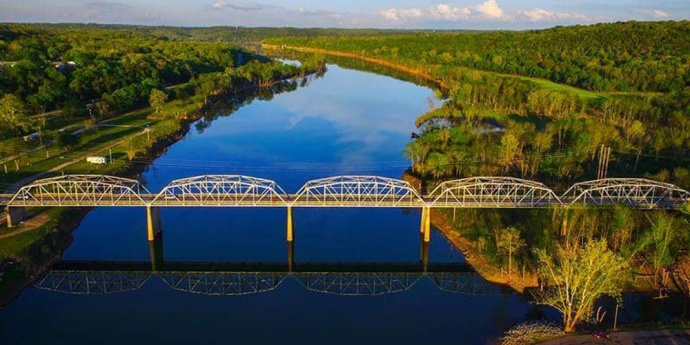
[
  {"x": 54, "y": 77},
  {"x": 630, "y": 56}
]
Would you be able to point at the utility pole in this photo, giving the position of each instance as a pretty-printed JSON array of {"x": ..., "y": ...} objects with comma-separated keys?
[
  {"x": 604, "y": 158},
  {"x": 110, "y": 159},
  {"x": 601, "y": 161}
]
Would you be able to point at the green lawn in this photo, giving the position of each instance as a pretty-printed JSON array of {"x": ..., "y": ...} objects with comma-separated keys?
[
  {"x": 582, "y": 93},
  {"x": 15, "y": 245}
]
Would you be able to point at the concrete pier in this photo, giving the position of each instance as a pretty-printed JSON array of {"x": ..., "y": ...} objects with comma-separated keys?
[
  {"x": 290, "y": 233},
  {"x": 153, "y": 222},
  {"x": 15, "y": 215},
  {"x": 156, "y": 253},
  {"x": 425, "y": 227}
]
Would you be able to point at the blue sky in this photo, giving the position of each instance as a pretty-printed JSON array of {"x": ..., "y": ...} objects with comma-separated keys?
[{"x": 443, "y": 14}]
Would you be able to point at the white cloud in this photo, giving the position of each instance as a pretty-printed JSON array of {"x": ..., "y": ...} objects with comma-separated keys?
[
  {"x": 253, "y": 6},
  {"x": 318, "y": 13},
  {"x": 489, "y": 9},
  {"x": 395, "y": 14},
  {"x": 445, "y": 12},
  {"x": 542, "y": 15},
  {"x": 656, "y": 14}
]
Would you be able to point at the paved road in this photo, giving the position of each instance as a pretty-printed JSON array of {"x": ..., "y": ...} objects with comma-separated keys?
[{"x": 664, "y": 337}]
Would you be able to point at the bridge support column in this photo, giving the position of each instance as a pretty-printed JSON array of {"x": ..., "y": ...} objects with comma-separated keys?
[
  {"x": 156, "y": 253},
  {"x": 425, "y": 227},
  {"x": 153, "y": 222},
  {"x": 424, "y": 254},
  {"x": 290, "y": 234},
  {"x": 291, "y": 255},
  {"x": 15, "y": 215}
]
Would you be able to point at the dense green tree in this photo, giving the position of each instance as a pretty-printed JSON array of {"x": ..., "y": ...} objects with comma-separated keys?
[
  {"x": 157, "y": 99},
  {"x": 13, "y": 114}
]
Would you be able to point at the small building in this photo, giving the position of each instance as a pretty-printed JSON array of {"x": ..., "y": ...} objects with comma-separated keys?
[{"x": 97, "y": 160}]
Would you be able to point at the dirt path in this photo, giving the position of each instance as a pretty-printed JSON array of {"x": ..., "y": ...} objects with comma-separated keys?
[{"x": 33, "y": 222}]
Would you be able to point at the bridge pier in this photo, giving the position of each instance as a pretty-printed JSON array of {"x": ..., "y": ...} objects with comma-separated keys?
[
  {"x": 291, "y": 255},
  {"x": 153, "y": 222},
  {"x": 290, "y": 234},
  {"x": 424, "y": 254},
  {"x": 156, "y": 253},
  {"x": 15, "y": 215},
  {"x": 425, "y": 227}
]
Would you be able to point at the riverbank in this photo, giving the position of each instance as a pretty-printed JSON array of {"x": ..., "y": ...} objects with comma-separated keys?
[
  {"x": 381, "y": 62},
  {"x": 441, "y": 221}
]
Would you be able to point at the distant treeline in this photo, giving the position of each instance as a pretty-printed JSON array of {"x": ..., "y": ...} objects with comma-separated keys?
[
  {"x": 94, "y": 71},
  {"x": 631, "y": 56}
]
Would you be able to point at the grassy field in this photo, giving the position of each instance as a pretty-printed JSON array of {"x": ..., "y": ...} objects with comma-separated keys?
[
  {"x": 20, "y": 242},
  {"x": 126, "y": 131}
]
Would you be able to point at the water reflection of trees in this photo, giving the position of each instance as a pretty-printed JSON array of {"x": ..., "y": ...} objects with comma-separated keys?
[{"x": 233, "y": 102}]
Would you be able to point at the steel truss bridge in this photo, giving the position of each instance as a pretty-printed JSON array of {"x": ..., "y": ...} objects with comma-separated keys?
[
  {"x": 338, "y": 191},
  {"x": 98, "y": 278}
]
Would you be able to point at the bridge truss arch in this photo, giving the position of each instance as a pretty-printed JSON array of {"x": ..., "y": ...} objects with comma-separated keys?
[
  {"x": 358, "y": 191},
  {"x": 634, "y": 192},
  {"x": 81, "y": 190},
  {"x": 92, "y": 282},
  {"x": 493, "y": 192},
  {"x": 358, "y": 283},
  {"x": 465, "y": 283},
  {"x": 221, "y": 190},
  {"x": 223, "y": 283}
]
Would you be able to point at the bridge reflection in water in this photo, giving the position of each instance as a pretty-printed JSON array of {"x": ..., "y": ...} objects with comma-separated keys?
[{"x": 235, "y": 279}]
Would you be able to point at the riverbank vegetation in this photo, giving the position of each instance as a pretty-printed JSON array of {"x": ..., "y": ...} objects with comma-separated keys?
[{"x": 548, "y": 105}]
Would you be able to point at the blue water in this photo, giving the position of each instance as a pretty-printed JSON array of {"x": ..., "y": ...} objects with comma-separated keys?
[{"x": 347, "y": 122}]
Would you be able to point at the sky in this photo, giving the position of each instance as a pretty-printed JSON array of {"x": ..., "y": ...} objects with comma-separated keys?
[{"x": 402, "y": 14}]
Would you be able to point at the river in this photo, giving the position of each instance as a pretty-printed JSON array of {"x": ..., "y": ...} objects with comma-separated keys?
[{"x": 348, "y": 122}]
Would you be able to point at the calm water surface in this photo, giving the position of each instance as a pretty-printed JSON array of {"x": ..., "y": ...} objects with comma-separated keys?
[{"x": 348, "y": 122}]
